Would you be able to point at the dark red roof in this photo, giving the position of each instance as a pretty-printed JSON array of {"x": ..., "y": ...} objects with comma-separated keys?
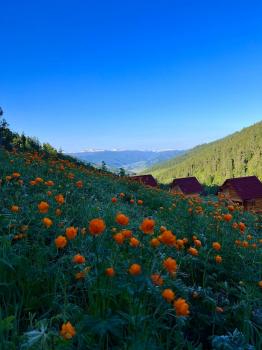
[
  {"x": 188, "y": 185},
  {"x": 147, "y": 180},
  {"x": 248, "y": 187}
]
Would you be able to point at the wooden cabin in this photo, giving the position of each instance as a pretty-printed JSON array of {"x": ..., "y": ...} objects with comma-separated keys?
[
  {"x": 188, "y": 186},
  {"x": 147, "y": 180},
  {"x": 246, "y": 191}
]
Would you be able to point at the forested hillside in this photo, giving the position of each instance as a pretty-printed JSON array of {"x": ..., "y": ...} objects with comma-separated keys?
[{"x": 239, "y": 154}]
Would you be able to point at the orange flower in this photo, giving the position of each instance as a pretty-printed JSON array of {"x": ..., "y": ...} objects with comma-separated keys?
[
  {"x": 168, "y": 238},
  {"x": 38, "y": 180},
  {"x": 242, "y": 226},
  {"x": 134, "y": 242},
  {"x": 47, "y": 222},
  {"x": 135, "y": 269},
  {"x": 96, "y": 226},
  {"x": 197, "y": 243},
  {"x": 168, "y": 295},
  {"x": 216, "y": 246},
  {"x": 147, "y": 226},
  {"x": 16, "y": 175},
  {"x": 71, "y": 232},
  {"x": 218, "y": 259},
  {"x": 132, "y": 201},
  {"x": 245, "y": 244},
  {"x": 110, "y": 272},
  {"x": 140, "y": 202},
  {"x": 170, "y": 265},
  {"x": 227, "y": 217},
  {"x": 231, "y": 208},
  {"x": 114, "y": 200},
  {"x": 32, "y": 182},
  {"x": 60, "y": 242},
  {"x": 192, "y": 251},
  {"x": 122, "y": 195},
  {"x": 58, "y": 212},
  {"x": 155, "y": 242},
  {"x": 122, "y": 219},
  {"x": 49, "y": 193},
  {"x": 15, "y": 208},
  {"x": 157, "y": 279},
  {"x": 8, "y": 178},
  {"x": 60, "y": 199},
  {"x": 79, "y": 184},
  {"x": 43, "y": 207},
  {"x": 127, "y": 233},
  {"x": 49, "y": 183},
  {"x": 181, "y": 306},
  {"x": 119, "y": 238},
  {"x": 260, "y": 284},
  {"x": 79, "y": 259},
  {"x": 67, "y": 331},
  {"x": 180, "y": 243}
]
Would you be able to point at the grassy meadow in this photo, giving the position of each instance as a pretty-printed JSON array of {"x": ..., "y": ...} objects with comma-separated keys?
[{"x": 89, "y": 260}]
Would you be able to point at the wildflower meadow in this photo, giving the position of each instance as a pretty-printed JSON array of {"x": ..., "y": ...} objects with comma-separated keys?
[{"x": 91, "y": 260}]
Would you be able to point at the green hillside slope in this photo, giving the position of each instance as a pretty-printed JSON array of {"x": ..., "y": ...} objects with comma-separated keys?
[{"x": 239, "y": 154}]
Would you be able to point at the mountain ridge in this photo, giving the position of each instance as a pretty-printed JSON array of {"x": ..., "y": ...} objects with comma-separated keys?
[{"x": 238, "y": 154}]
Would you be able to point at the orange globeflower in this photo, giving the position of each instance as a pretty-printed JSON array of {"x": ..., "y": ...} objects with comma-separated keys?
[
  {"x": 67, "y": 331},
  {"x": 168, "y": 295},
  {"x": 32, "y": 182},
  {"x": 135, "y": 269},
  {"x": 216, "y": 246},
  {"x": 79, "y": 259},
  {"x": 15, "y": 208},
  {"x": 47, "y": 222},
  {"x": 58, "y": 212},
  {"x": 71, "y": 232},
  {"x": 168, "y": 238},
  {"x": 119, "y": 238},
  {"x": 49, "y": 183},
  {"x": 140, "y": 202},
  {"x": 96, "y": 226},
  {"x": 218, "y": 259},
  {"x": 122, "y": 195},
  {"x": 126, "y": 233},
  {"x": 227, "y": 217},
  {"x": 43, "y": 207},
  {"x": 192, "y": 251},
  {"x": 134, "y": 242},
  {"x": 155, "y": 242},
  {"x": 260, "y": 284},
  {"x": 60, "y": 199},
  {"x": 110, "y": 272},
  {"x": 181, "y": 306},
  {"x": 242, "y": 226},
  {"x": 197, "y": 243},
  {"x": 60, "y": 242},
  {"x": 122, "y": 219},
  {"x": 38, "y": 180},
  {"x": 170, "y": 265},
  {"x": 157, "y": 279},
  {"x": 147, "y": 226},
  {"x": 79, "y": 184},
  {"x": 16, "y": 175},
  {"x": 114, "y": 200}
]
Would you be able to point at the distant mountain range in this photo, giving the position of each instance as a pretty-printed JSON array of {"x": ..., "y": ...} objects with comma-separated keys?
[
  {"x": 239, "y": 154},
  {"x": 133, "y": 161}
]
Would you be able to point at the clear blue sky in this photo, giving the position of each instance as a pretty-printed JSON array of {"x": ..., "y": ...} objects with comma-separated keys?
[{"x": 130, "y": 74}]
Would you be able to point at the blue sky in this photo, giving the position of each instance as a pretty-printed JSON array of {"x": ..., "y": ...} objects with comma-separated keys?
[{"x": 130, "y": 74}]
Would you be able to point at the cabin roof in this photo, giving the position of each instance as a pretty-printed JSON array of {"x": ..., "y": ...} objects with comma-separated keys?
[
  {"x": 148, "y": 180},
  {"x": 188, "y": 185},
  {"x": 248, "y": 187}
]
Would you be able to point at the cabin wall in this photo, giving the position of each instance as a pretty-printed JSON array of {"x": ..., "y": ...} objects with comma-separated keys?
[
  {"x": 230, "y": 193},
  {"x": 255, "y": 205}
]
